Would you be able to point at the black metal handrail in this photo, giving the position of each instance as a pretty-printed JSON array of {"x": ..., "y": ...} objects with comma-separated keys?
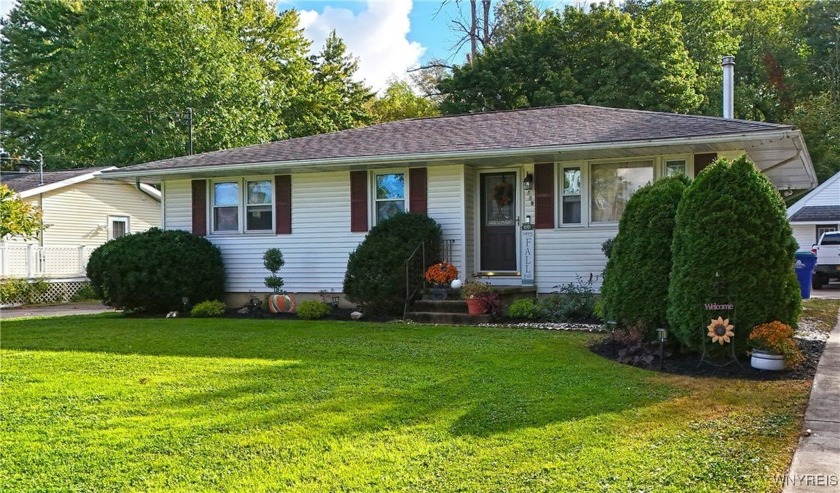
[{"x": 415, "y": 266}]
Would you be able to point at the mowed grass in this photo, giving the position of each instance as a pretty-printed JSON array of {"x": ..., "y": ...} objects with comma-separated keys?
[{"x": 105, "y": 403}]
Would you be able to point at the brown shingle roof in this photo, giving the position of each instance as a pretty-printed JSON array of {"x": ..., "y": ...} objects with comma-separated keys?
[
  {"x": 21, "y": 181},
  {"x": 494, "y": 131}
]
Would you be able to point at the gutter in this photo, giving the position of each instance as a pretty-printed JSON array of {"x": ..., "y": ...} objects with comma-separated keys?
[{"x": 364, "y": 161}]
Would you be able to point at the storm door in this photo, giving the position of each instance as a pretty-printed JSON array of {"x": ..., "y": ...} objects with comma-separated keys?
[{"x": 498, "y": 222}]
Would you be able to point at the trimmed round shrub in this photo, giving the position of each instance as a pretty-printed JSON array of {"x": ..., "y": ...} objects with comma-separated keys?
[
  {"x": 635, "y": 288},
  {"x": 207, "y": 309},
  {"x": 375, "y": 277},
  {"x": 732, "y": 243},
  {"x": 522, "y": 308},
  {"x": 153, "y": 271},
  {"x": 312, "y": 310}
]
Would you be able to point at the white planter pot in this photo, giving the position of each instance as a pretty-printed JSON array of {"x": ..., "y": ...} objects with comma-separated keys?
[{"x": 763, "y": 360}]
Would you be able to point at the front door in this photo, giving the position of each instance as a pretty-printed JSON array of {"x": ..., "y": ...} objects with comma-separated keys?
[{"x": 498, "y": 222}]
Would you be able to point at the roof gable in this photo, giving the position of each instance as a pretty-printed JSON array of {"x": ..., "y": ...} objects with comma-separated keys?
[
  {"x": 827, "y": 194},
  {"x": 30, "y": 182}
]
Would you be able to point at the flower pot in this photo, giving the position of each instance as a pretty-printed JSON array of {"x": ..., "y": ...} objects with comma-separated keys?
[
  {"x": 764, "y": 360},
  {"x": 475, "y": 306},
  {"x": 281, "y": 303},
  {"x": 439, "y": 292}
]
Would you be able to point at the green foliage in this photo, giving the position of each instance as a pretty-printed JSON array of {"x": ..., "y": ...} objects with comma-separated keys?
[
  {"x": 635, "y": 288},
  {"x": 154, "y": 270},
  {"x": 522, "y": 308},
  {"x": 208, "y": 309},
  {"x": 85, "y": 293},
  {"x": 22, "y": 291},
  {"x": 17, "y": 218},
  {"x": 732, "y": 243},
  {"x": 573, "y": 302},
  {"x": 399, "y": 103},
  {"x": 108, "y": 82},
  {"x": 596, "y": 56},
  {"x": 312, "y": 310},
  {"x": 375, "y": 276},
  {"x": 333, "y": 100},
  {"x": 273, "y": 262}
]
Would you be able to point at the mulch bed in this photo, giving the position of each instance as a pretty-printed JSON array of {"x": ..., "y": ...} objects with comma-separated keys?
[{"x": 688, "y": 363}]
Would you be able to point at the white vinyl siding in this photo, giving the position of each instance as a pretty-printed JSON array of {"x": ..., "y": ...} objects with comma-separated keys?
[
  {"x": 446, "y": 207},
  {"x": 79, "y": 214},
  {"x": 562, "y": 255},
  {"x": 177, "y": 205}
]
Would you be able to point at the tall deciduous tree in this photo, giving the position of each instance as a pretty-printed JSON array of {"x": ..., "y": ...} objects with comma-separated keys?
[
  {"x": 399, "y": 103},
  {"x": 108, "y": 82},
  {"x": 602, "y": 56}
]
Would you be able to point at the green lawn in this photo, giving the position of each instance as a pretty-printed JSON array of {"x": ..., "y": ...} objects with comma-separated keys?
[{"x": 104, "y": 403}]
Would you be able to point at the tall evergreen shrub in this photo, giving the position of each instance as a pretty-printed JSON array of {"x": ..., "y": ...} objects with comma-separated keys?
[
  {"x": 375, "y": 277},
  {"x": 635, "y": 289},
  {"x": 732, "y": 243},
  {"x": 153, "y": 271}
]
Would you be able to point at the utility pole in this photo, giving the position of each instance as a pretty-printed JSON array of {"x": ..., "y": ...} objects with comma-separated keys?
[
  {"x": 41, "y": 162},
  {"x": 189, "y": 117}
]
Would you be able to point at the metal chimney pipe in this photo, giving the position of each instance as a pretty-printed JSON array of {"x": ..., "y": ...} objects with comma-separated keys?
[{"x": 728, "y": 64}]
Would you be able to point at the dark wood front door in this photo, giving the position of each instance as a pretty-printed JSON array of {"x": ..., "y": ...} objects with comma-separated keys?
[{"x": 498, "y": 222}]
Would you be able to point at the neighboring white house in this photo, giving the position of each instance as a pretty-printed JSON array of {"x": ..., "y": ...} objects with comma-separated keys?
[
  {"x": 816, "y": 213},
  {"x": 524, "y": 197},
  {"x": 80, "y": 212}
]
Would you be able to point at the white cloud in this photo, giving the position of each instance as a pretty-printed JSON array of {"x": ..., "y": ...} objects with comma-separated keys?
[{"x": 376, "y": 36}]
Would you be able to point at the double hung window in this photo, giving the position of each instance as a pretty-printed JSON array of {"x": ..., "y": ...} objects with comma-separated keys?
[
  {"x": 390, "y": 195},
  {"x": 239, "y": 203}
]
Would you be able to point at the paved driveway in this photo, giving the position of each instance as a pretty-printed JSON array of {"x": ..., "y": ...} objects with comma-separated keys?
[
  {"x": 54, "y": 310},
  {"x": 829, "y": 291}
]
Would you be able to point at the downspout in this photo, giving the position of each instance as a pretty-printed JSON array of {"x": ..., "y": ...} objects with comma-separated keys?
[{"x": 728, "y": 64}]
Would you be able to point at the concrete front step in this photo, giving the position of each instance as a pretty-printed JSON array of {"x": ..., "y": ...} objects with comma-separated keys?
[
  {"x": 448, "y": 318},
  {"x": 440, "y": 306}
]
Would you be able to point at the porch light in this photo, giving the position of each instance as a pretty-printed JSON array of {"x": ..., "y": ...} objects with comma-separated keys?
[{"x": 528, "y": 182}]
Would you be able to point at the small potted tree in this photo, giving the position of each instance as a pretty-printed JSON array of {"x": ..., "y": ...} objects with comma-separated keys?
[
  {"x": 280, "y": 301},
  {"x": 474, "y": 292}
]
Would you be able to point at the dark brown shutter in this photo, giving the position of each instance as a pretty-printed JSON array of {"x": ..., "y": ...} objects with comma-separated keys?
[
  {"x": 199, "y": 207},
  {"x": 358, "y": 202},
  {"x": 283, "y": 204},
  {"x": 417, "y": 183},
  {"x": 544, "y": 195},
  {"x": 703, "y": 160}
]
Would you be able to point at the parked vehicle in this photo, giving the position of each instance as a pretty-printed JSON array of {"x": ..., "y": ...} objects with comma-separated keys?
[{"x": 827, "y": 250}]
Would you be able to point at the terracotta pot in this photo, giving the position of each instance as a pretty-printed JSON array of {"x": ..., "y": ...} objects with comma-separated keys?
[
  {"x": 475, "y": 306},
  {"x": 764, "y": 360},
  {"x": 281, "y": 303}
]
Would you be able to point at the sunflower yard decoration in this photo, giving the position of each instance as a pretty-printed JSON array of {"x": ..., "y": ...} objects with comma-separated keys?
[{"x": 721, "y": 331}]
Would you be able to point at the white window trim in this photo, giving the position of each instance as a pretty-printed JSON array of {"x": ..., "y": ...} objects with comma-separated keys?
[
  {"x": 584, "y": 193},
  {"x": 660, "y": 170},
  {"x": 122, "y": 219},
  {"x": 242, "y": 206},
  {"x": 372, "y": 190}
]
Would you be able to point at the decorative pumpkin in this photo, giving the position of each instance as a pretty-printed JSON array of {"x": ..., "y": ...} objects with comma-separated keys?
[{"x": 281, "y": 303}]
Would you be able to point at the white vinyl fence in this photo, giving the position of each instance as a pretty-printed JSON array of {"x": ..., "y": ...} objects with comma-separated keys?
[{"x": 28, "y": 261}]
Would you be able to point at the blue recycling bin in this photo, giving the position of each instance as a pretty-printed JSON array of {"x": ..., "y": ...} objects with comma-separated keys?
[{"x": 804, "y": 266}]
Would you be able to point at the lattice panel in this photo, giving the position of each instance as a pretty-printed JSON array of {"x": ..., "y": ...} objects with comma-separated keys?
[{"x": 57, "y": 292}]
